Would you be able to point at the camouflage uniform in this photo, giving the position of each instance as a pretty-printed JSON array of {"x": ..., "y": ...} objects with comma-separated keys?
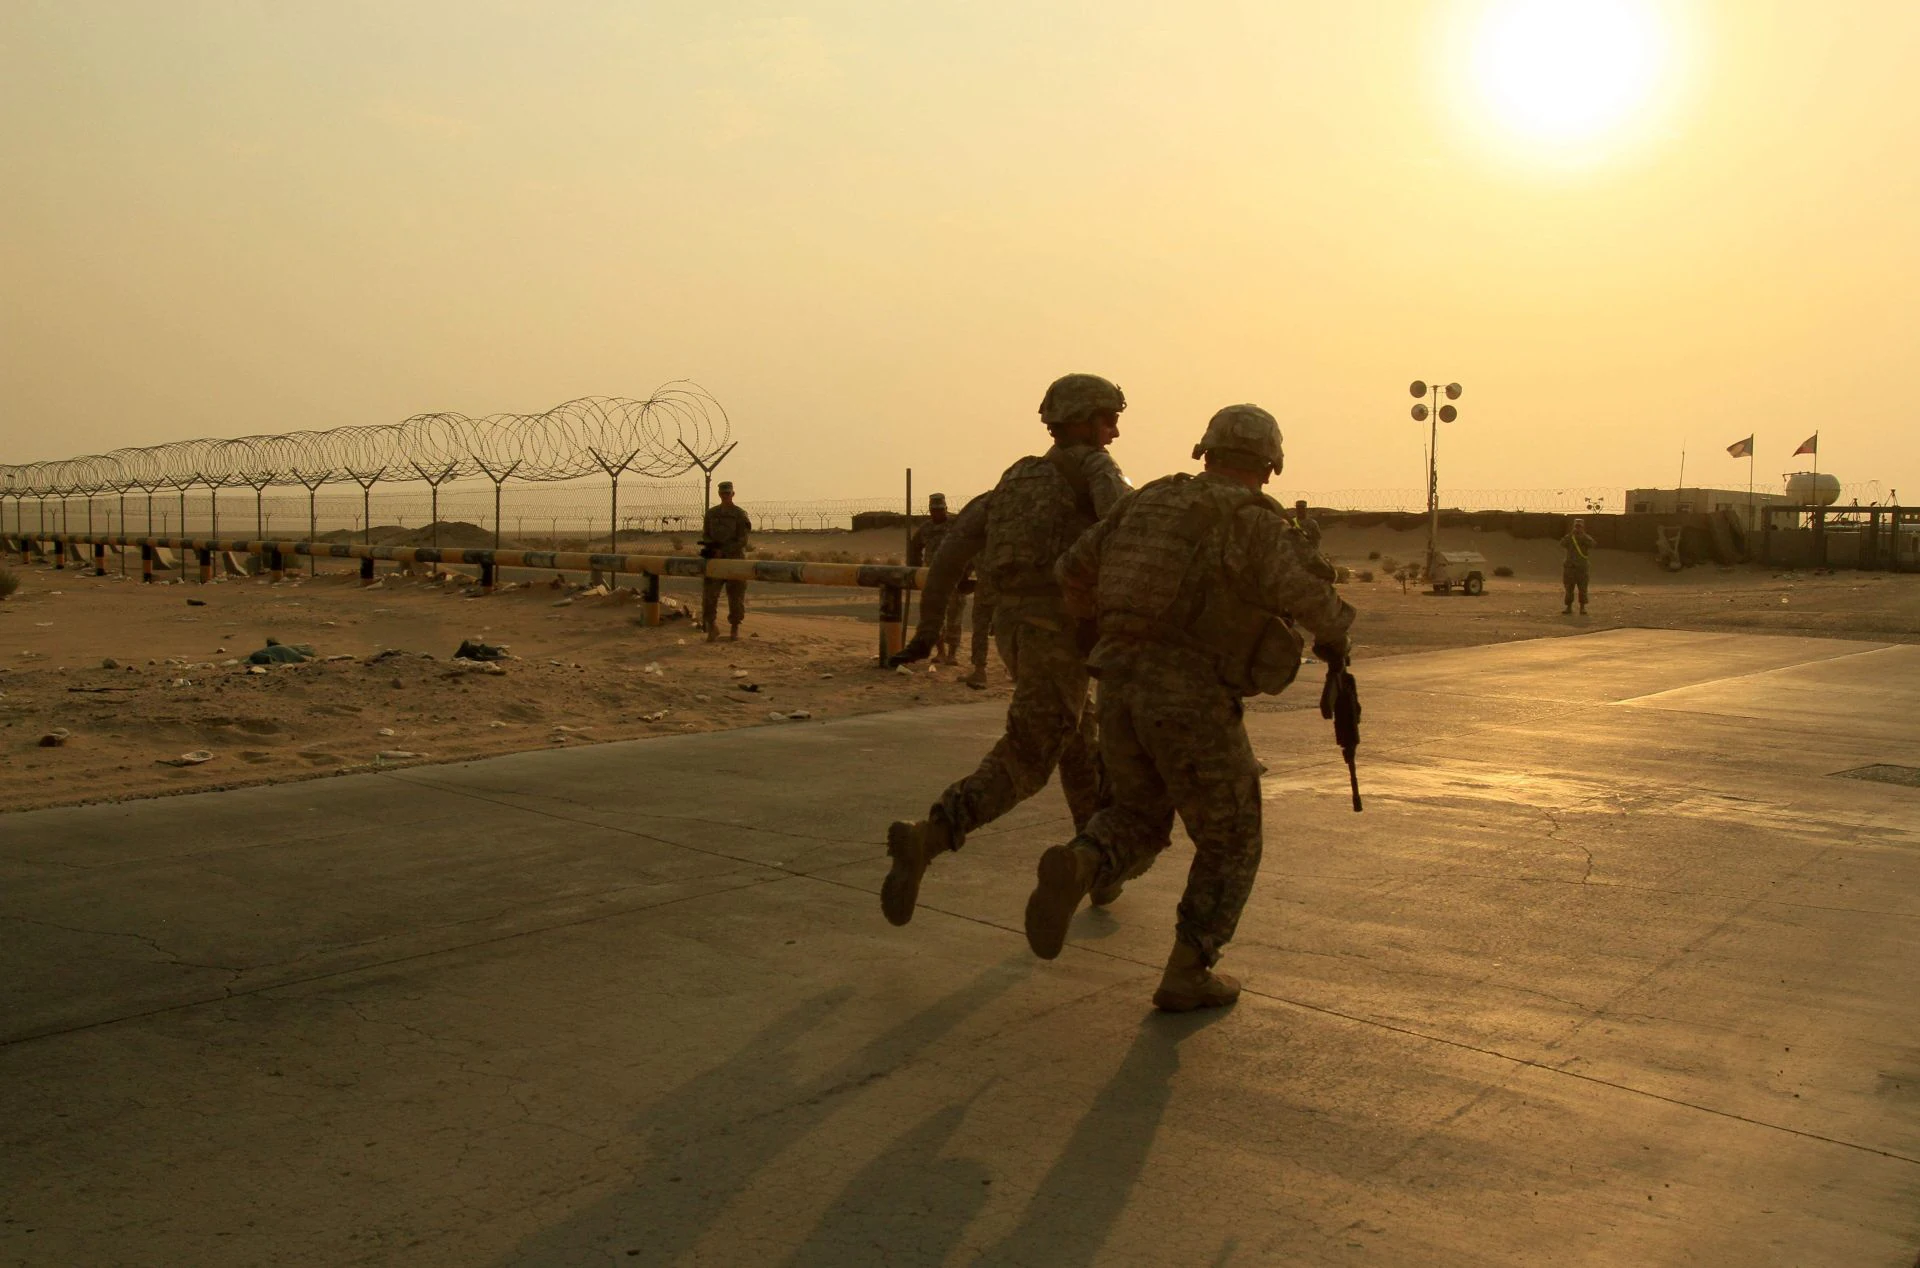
[
  {"x": 1015, "y": 534},
  {"x": 726, "y": 529},
  {"x": 1048, "y": 721},
  {"x": 1577, "y": 569},
  {"x": 1186, "y": 576},
  {"x": 921, "y": 549}
]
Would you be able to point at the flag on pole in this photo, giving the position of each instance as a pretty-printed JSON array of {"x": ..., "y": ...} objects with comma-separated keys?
[
  {"x": 1810, "y": 445},
  {"x": 1741, "y": 448}
]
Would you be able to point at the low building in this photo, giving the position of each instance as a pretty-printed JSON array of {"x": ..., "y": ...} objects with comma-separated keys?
[{"x": 1704, "y": 501}]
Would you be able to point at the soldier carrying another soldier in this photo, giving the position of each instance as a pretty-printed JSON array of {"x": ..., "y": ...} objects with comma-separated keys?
[
  {"x": 1040, "y": 506},
  {"x": 1197, "y": 583},
  {"x": 724, "y": 536}
]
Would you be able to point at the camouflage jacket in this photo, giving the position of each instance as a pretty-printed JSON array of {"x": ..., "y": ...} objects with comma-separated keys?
[
  {"x": 728, "y": 528},
  {"x": 1180, "y": 556}
]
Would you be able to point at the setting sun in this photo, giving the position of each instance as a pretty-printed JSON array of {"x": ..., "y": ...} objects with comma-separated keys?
[{"x": 1567, "y": 70}]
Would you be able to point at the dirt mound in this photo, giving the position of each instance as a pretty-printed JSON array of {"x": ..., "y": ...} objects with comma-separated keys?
[{"x": 453, "y": 535}]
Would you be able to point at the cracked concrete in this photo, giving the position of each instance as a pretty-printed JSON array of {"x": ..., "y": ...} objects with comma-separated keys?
[{"x": 1608, "y": 973}]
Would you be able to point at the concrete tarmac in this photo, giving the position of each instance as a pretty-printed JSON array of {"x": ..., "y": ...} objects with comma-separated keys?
[{"x": 1612, "y": 970}]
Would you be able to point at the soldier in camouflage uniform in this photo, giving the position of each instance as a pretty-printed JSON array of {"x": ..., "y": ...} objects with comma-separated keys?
[
  {"x": 1039, "y": 507},
  {"x": 724, "y": 536},
  {"x": 982, "y": 636},
  {"x": 922, "y": 546},
  {"x": 1197, "y": 583},
  {"x": 1576, "y": 570}
]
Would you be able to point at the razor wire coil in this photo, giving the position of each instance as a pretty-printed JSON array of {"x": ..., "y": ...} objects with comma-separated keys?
[{"x": 667, "y": 434}]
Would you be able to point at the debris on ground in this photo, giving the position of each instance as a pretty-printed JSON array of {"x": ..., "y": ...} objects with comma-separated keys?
[
  {"x": 194, "y": 758},
  {"x": 279, "y": 653},
  {"x": 396, "y": 755},
  {"x": 474, "y": 649},
  {"x": 196, "y": 603},
  {"x": 56, "y": 738}
]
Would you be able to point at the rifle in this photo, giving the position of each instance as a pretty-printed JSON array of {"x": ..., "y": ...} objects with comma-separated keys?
[{"x": 1340, "y": 702}]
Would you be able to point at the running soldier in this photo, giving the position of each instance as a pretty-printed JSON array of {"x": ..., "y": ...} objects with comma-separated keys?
[
  {"x": 724, "y": 536},
  {"x": 1197, "y": 583},
  {"x": 1040, "y": 506}
]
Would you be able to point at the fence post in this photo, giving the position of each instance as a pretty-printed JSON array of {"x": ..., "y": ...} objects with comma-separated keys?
[
  {"x": 206, "y": 566},
  {"x": 486, "y": 575},
  {"x": 59, "y": 553},
  {"x": 650, "y": 599},
  {"x": 146, "y": 563},
  {"x": 366, "y": 571},
  {"x": 892, "y": 610},
  {"x": 99, "y": 559},
  {"x": 276, "y": 564}
]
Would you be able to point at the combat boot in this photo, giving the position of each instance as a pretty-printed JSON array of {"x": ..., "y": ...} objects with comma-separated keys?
[
  {"x": 977, "y": 679},
  {"x": 1106, "y": 895},
  {"x": 733, "y": 632},
  {"x": 1188, "y": 983},
  {"x": 1066, "y": 873},
  {"x": 713, "y": 633},
  {"x": 912, "y": 847}
]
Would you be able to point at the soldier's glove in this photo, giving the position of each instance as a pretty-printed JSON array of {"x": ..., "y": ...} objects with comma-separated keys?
[
  {"x": 1334, "y": 654},
  {"x": 709, "y": 550},
  {"x": 919, "y": 648}
]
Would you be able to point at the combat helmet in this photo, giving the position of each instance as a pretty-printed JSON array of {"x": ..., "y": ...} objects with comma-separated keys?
[
  {"x": 1075, "y": 397},
  {"x": 1243, "y": 436}
]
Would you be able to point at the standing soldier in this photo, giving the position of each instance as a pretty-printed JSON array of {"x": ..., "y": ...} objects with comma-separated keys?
[
  {"x": 1309, "y": 527},
  {"x": 921, "y": 548},
  {"x": 950, "y": 575},
  {"x": 982, "y": 635},
  {"x": 1040, "y": 506},
  {"x": 724, "y": 536},
  {"x": 1196, "y": 582},
  {"x": 1577, "y": 569}
]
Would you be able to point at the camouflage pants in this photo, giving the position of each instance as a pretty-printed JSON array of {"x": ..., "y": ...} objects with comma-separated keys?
[
  {"x": 950, "y": 623},
  {"x": 710, "y": 588},
  {"x": 1172, "y": 740},
  {"x": 1049, "y": 724},
  {"x": 982, "y": 629},
  {"x": 1572, "y": 579}
]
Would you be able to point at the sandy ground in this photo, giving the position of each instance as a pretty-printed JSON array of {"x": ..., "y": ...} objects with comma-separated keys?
[{"x": 588, "y": 672}]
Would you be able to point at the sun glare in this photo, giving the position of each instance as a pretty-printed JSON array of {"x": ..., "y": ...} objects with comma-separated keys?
[{"x": 1567, "y": 71}]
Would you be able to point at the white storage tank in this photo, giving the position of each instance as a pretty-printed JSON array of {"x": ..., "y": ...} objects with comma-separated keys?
[{"x": 1813, "y": 488}]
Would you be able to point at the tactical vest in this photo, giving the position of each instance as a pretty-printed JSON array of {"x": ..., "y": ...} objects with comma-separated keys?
[
  {"x": 1039, "y": 508},
  {"x": 1163, "y": 580}
]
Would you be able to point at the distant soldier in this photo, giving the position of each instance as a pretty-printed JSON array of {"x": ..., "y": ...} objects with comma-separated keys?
[
  {"x": 949, "y": 576},
  {"x": 982, "y": 636},
  {"x": 921, "y": 548},
  {"x": 724, "y": 536},
  {"x": 1194, "y": 580},
  {"x": 1577, "y": 569},
  {"x": 1309, "y": 527},
  {"x": 1039, "y": 507}
]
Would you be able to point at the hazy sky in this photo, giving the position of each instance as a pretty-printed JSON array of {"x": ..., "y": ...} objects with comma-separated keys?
[{"x": 876, "y": 231}]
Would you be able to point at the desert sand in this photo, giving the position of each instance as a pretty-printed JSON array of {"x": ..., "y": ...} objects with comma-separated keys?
[{"x": 139, "y": 675}]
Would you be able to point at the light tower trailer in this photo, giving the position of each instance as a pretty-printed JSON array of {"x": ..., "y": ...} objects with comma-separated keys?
[{"x": 1463, "y": 568}]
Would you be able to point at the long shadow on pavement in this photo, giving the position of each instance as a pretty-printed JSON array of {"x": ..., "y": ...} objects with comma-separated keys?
[
  {"x": 1074, "y": 1209},
  {"x": 707, "y": 1140}
]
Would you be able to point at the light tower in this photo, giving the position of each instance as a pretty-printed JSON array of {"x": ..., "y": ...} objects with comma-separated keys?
[{"x": 1434, "y": 415}]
